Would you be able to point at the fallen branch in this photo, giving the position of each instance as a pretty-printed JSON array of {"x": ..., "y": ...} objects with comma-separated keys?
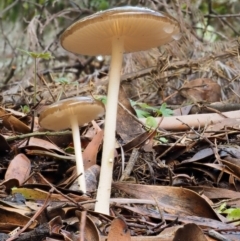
[{"x": 180, "y": 123}]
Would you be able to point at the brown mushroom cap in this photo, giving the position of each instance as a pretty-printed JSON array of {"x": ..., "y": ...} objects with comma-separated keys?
[
  {"x": 58, "y": 115},
  {"x": 140, "y": 28}
]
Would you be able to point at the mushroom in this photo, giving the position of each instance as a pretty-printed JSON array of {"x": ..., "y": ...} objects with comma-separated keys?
[
  {"x": 113, "y": 32},
  {"x": 72, "y": 113}
]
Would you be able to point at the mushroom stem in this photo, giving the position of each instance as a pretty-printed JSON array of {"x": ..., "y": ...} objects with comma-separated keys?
[
  {"x": 105, "y": 181},
  {"x": 78, "y": 153}
]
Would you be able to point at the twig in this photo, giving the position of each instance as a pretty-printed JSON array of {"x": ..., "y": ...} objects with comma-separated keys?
[
  {"x": 47, "y": 153},
  {"x": 10, "y": 75},
  {"x": 159, "y": 209},
  {"x": 59, "y": 192},
  {"x": 214, "y": 234},
  {"x": 222, "y": 15},
  {"x": 215, "y": 111},
  {"x": 19, "y": 137},
  {"x": 45, "y": 83},
  {"x": 82, "y": 225},
  {"x": 131, "y": 162}
]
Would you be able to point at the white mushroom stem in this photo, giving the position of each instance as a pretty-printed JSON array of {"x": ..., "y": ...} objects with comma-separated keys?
[
  {"x": 105, "y": 181},
  {"x": 78, "y": 153}
]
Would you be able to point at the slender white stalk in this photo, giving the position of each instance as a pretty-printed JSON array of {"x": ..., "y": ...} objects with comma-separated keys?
[
  {"x": 78, "y": 153},
  {"x": 105, "y": 182}
]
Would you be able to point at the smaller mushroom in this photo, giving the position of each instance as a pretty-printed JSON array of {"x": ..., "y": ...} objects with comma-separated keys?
[{"x": 72, "y": 113}]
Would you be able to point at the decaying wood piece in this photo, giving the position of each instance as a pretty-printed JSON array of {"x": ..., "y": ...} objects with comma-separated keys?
[{"x": 180, "y": 123}]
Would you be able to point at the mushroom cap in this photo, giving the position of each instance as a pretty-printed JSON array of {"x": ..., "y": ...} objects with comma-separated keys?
[
  {"x": 140, "y": 28},
  {"x": 58, "y": 115}
]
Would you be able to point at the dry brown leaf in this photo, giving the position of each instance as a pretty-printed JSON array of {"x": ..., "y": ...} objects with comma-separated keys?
[
  {"x": 174, "y": 200},
  {"x": 19, "y": 168},
  {"x": 203, "y": 222},
  {"x": 216, "y": 193},
  {"x": 127, "y": 126},
  {"x": 91, "y": 232},
  {"x": 119, "y": 230},
  {"x": 43, "y": 144},
  {"x": 12, "y": 123},
  {"x": 235, "y": 168},
  {"x": 55, "y": 225},
  {"x": 10, "y": 220},
  {"x": 138, "y": 141},
  {"x": 189, "y": 232},
  {"x": 204, "y": 153},
  {"x": 222, "y": 168},
  {"x": 197, "y": 167},
  {"x": 91, "y": 151},
  {"x": 230, "y": 123}
]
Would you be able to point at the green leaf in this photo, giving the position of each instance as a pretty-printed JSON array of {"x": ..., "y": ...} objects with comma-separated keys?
[
  {"x": 234, "y": 215},
  {"x": 142, "y": 113},
  {"x": 163, "y": 140},
  {"x": 62, "y": 80},
  {"x": 143, "y": 105},
  {"x": 25, "y": 109},
  {"x": 228, "y": 211},
  {"x": 103, "y": 5},
  {"x": 133, "y": 103},
  {"x": 165, "y": 111},
  {"x": 36, "y": 55},
  {"x": 69, "y": 150},
  {"x": 222, "y": 208},
  {"x": 151, "y": 122},
  {"x": 99, "y": 4},
  {"x": 102, "y": 98}
]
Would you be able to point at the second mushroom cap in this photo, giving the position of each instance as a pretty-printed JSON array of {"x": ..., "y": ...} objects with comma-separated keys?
[{"x": 57, "y": 116}]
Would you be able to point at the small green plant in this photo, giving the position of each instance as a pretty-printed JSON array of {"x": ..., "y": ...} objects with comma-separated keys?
[
  {"x": 144, "y": 110},
  {"x": 25, "y": 109},
  {"x": 62, "y": 80},
  {"x": 232, "y": 213},
  {"x": 65, "y": 82},
  {"x": 151, "y": 122},
  {"x": 35, "y": 56},
  {"x": 99, "y": 4},
  {"x": 102, "y": 98}
]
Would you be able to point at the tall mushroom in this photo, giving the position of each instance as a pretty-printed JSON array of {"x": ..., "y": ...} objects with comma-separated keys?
[
  {"x": 72, "y": 113},
  {"x": 113, "y": 32}
]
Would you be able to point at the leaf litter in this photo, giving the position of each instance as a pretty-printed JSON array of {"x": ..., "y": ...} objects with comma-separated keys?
[{"x": 174, "y": 179}]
